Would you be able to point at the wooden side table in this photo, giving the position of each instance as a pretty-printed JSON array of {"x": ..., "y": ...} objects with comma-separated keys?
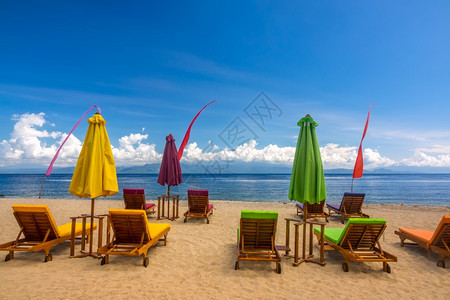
[
  {"x": 83, "y": 218},
  {"x": 175, "y": 206}
]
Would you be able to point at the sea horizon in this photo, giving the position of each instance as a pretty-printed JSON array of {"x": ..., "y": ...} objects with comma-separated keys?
[{"x": 405, "y": 188}]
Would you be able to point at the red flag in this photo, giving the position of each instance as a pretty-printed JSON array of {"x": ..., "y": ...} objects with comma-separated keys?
[
  {"x": 188, "y": 132},
  {"x": 358, "y": 169}
]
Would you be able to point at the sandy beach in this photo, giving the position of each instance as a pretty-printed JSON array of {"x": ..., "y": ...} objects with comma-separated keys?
[{"x": 198, "y": 261}]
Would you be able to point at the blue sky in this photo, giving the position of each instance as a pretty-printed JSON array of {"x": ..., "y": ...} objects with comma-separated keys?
[{"x": 151, "y": 66}]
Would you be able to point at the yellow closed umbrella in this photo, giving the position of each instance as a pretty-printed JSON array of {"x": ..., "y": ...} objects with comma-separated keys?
[{"x": 95, "y": 172}]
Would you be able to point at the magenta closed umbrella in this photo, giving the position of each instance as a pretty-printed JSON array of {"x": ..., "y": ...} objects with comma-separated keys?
[{"x": 170, "y": 170}]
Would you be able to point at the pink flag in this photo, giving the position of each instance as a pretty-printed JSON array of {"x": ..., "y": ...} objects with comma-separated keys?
[
  {"x": 50, "y": 167},
  {"x": 358, "y": 169},
  {"x": 188, "y": 132}
]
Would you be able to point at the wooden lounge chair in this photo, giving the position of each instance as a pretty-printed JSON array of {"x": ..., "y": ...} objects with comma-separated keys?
[
  {"x": 358, "y": 241},
  {"x": 350, "y": 206},
  {"x": 132, "y": 234},
  {"x": 135, "y": 199},
  {"x": 309, "y": 210},
  {"x": 39, "y": 231},
  {"x": 256, "y": 238},
  {"x": 437, "y": 241},
  {"x": 198, "y": 205}
]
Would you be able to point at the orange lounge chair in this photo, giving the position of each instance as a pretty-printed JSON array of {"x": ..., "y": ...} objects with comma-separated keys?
[
  {"x": 350, "y": 206},
  {"x": 198, "y": 205},
  {"x": 309, "y": 210},
  {"x": 437, "y": 241},
  {"x": 132, "y": 234},
  {"x": 39, "y": 230},
  {"x": 135, "y": 199},
  {"x": 256, "y": 238}
]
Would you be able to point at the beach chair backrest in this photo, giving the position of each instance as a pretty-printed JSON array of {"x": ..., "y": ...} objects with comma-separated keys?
[
  {"x": 198, "y": 200},
  {"x": 362, "y": 233},
  {"x": 134, "y": 198},
  {"x": 36, "y": 221},
  {"x": 442, "y": 234},
  {"x": 257, "y": 229},
  {"x": 316, "y": 208},
  {"x": 352, "y": 202},
  {"x": 129, "y": 225}
]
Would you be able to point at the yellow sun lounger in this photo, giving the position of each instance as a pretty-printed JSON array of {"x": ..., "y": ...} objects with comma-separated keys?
[
  {"x": 437, "y": 241},
  {"x": 39, "y": 231},
  {"x": 132, "y": 234}
]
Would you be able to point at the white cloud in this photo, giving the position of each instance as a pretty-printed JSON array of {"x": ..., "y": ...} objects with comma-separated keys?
[
  {"x": 133, "y": 151},
  {"x": 31, "y": 143},
  {"x": 25, "y": 144},
  {"x": 246, "y": 152},
  {"x": 28, "y": 145},
  {"x": 333, "y": 156}
]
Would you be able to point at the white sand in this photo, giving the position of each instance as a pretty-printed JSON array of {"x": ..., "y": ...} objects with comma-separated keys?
[{"x": 199, "y": 259}]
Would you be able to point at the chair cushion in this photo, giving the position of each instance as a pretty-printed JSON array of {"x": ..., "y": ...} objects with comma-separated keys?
[
  {"x": 250, "y": 214},
  {"x": 423, "y": 235},
  {"x": 335, "y": 206},
  {"x": 157, "y": 228},
  {"x": 299, "y": 205},
  {"x": 210, "y": 206},
  {"x": 66, "y": 229},
  {"x": 149, "y": 205},
  {"x": 333, "y": 234},
  {"x": 354, "y": 194},
  {"x": 133, "y": 191},
  {"x": 197, "y": 192}
]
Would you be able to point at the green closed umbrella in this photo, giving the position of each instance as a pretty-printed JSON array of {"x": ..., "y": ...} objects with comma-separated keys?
[{"x": 307, "y": 179}]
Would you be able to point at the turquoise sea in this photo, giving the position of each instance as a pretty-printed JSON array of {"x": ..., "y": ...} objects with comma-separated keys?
[{"x": 409, "y": 189}]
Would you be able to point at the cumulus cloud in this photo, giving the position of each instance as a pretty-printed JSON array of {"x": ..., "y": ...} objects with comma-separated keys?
[
  {"x": 132, "y": 150},
  {"x": 28, "y": 145},
  {"x": 333, "y": 155},
  {"x": 246, "y": 152},
  {"x": 31, "y": 143}
]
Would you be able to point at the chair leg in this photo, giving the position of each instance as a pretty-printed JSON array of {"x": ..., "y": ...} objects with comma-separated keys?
[
  {"x": 441, "y": 263},
  {"x": 9, "y": 256}
]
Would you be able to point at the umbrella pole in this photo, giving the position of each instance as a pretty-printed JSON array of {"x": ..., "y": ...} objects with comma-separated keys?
[
  {"x": 168, "y": 201},
  {"x": 92, "y": 226}
]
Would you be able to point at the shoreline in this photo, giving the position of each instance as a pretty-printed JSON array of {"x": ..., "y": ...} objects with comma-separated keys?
[
  {"x": 399, "y": 205},
  {"x": 199, "y": 254}
]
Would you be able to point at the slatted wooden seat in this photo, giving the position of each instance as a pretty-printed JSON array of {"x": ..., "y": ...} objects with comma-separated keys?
[
  {"x": 437, "y": 241},
  {"x": 350, "y": 206},
  {"x": 358, "y": 241},
  {"x": 135, "y": 199},
  {"x": 256, "y": 238},
  {"x": 39, "y": 231},
  {"x": 198, "y": 205},
  {"x": 132, "y": 234},
  {"x": 308, "y": 210}
]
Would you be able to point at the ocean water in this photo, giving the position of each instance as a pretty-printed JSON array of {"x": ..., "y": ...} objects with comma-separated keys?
[{"x": 409, "y": 189}]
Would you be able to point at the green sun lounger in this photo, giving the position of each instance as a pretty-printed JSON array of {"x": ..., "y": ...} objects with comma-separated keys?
[
  {"x": 256, "y": 238},
  {"x": 358, "y": 241}
]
